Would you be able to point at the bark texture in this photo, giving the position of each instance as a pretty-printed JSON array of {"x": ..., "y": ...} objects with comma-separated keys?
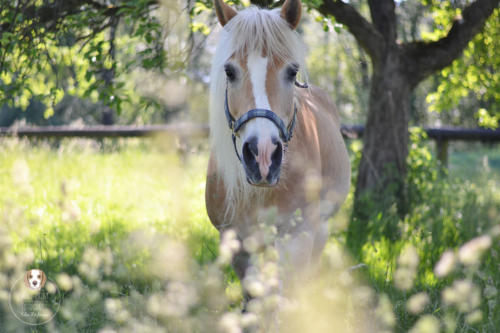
[{"x": 383, "y": 161}]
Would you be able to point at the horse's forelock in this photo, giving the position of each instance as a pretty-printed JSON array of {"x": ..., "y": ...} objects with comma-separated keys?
[{"x": 264, "y": 32}]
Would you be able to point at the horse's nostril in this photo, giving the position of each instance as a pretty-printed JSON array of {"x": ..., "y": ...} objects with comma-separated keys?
[
  {"x": 277, "y": 154},
  {"x": 247, "y": 154},
  {"x": 250, "y": 150}
]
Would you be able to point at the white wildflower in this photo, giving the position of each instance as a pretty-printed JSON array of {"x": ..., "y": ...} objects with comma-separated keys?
[
  {"x": 470, "y": 252},
  {"x": 417, "y": 303},
  {"x": 426, "y": 324},
  {"x": 230, "y": 323},
  {"x": 445, "y": 265}
]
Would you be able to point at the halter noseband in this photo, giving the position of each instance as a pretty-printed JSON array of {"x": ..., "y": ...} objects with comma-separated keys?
[{"x": 285, "y": 132}]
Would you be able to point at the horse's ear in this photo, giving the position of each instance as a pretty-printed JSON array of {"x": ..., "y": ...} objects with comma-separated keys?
[
  {"x": 224, "y": 11},
  {"x": 291, "y": 12}
]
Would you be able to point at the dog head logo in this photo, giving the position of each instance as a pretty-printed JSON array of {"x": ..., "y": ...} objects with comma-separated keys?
[{"x": 35, "y": 279}]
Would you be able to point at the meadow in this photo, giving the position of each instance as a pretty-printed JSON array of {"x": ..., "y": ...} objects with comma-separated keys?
[{"x": 120, "y": 228}]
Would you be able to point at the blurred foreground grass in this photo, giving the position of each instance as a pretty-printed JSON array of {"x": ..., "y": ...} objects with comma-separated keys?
[{"x": 120, "y": 226}]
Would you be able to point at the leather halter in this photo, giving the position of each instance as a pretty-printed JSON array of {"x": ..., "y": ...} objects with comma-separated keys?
[{"x": 285, "y": 132}]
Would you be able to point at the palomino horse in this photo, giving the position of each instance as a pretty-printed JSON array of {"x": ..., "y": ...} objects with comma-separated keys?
[{"x": 256, "y": 104}]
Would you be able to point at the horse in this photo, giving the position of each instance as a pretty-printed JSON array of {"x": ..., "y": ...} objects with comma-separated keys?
[{"x": 274, "y": 142}]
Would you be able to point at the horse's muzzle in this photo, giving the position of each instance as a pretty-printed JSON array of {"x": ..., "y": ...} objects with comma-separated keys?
[{"x": 262, "y": 160}]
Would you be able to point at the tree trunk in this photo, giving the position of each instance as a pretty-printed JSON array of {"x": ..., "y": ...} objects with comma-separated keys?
[
  {"x": 382, "y": 169},
  {"x": 383, "y": 164}
]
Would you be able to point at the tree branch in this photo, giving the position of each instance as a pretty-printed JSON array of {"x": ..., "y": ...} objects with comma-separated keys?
[
  {"x": 51, "y": 13},
  {"x": 263, "y": 3},
  {"x": 365, "y": 33},
  {"x": 429, "y": 57}
]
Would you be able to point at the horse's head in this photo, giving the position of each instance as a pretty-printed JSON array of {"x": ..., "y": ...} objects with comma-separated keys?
[{"x": 259, "y": 94}]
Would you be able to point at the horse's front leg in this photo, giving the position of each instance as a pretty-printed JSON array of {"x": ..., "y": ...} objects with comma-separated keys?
[
  {"x": 300, "y": 248},
  {"x": 295, "y": 250},
  {"x": 240, "y": 263}
]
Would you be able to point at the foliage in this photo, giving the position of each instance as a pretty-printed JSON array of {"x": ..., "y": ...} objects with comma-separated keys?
[
  {"x": 432, "y": 194},
  {"x": 80, "y": 48},
  {"x": 470, "y": 87}
]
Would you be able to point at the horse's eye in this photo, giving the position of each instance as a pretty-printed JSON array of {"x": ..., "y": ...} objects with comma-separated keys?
[
  {"x": 291, "y": 72},
  {"x": 230, "y": 72}
]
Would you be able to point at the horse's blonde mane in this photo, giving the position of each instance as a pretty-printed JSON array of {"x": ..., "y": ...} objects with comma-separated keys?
[{"x": 265, "y": 32}]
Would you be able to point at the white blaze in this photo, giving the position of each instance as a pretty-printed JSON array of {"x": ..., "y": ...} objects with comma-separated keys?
[
  {"x": 263, "y": 128},
  {"x": 257, "y": 67}
]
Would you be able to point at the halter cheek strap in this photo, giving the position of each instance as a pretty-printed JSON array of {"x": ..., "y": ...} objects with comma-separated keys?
[{"x": 286, "y": 132}]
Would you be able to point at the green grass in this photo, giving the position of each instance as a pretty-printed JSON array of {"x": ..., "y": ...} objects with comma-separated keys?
[
  {"x": 474, "y": 160},
  {"x": 79, "y": 202},
  {"x": 75, "y": 197},
  {"x": 447, "y": 210}
]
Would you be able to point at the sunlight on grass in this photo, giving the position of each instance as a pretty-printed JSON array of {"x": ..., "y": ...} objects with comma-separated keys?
[{"x": 76, "y": 197}]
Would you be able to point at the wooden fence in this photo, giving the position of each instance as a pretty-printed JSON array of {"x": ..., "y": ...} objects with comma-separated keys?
[
  {"x": 442, "y": 136},
  {"x": 104, "y": 131}
]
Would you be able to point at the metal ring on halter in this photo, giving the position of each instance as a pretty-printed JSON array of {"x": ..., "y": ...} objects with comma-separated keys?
[{"x": 285, "y": 132}]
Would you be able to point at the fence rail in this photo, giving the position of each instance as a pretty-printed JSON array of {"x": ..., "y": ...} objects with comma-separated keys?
[
  {"x": 438, "y": 134},
  {"x": 442, "y": 136},
  {"x": 103, "y": 131}
]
